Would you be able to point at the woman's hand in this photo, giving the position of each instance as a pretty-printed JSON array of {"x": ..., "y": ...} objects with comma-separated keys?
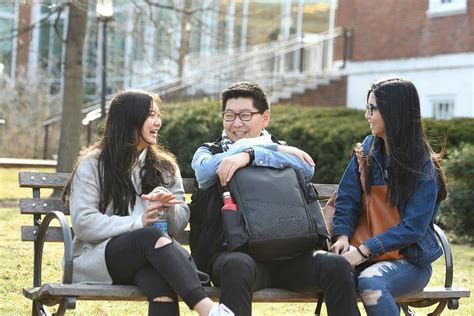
[
  {"x": 165, "y": 198},
  {"x": 353, "y": 256},
  {"x": 160, "y": 202},
  {"x": 150, "y": 215},
  {"x": 298, "y": 153},
  {"x": 360, "y": 156},
  {"x": 341, "y": 245}
]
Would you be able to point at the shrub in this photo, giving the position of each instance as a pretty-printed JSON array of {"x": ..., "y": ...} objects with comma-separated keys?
[
  {"x": 327, "y": 134},
  {"x": 449, "y": 133},
  {"x": 456, "y": 214}
]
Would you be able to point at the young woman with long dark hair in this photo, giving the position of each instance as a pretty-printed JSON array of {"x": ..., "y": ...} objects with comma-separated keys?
[
  {"x": 397, "y": 155},
  {"x": 115, "y": 194}
]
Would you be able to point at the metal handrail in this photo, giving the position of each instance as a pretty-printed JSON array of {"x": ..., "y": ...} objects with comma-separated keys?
[
  {"x": 230, "y": 65},
  {"x": 280, "y": 47},
  {"x": 211, "y": 76}
]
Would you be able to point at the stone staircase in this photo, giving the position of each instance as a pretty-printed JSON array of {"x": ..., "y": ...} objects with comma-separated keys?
[{"x": 313, "y": 91}]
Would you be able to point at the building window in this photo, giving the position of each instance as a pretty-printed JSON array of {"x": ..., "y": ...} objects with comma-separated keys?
[
  {"x": 443, "y": 109},
  {"x": 438, "y": 8},
  {"x": 7, "y": 44}
]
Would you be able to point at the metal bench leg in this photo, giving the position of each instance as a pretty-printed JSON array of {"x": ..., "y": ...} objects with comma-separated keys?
[
  {"x": 66, "y": 303},
  {"x": 439, "y": 309},
  {"x": 407, "y": 310},
  {"x": 453, "y": 303},
  {"x": 39, "y": 309}
]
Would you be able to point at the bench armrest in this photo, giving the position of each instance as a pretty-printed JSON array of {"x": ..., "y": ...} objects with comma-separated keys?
[
  {"x": 448, "y": 256},
  {"x": 39, "y": 243}
]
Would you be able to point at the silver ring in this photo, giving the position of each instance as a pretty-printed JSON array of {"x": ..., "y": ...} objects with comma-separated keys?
[{"x": 161, "y": 212}]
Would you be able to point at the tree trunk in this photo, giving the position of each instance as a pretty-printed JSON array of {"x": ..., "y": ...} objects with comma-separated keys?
[
  {"x": 69, "y": 142},
  {"x": 185, "y": 34}
]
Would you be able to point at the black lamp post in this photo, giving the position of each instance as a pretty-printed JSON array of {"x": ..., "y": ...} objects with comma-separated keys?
[
  {"x": 105, "y": 12},
  {"x": 2, "y": 122}
]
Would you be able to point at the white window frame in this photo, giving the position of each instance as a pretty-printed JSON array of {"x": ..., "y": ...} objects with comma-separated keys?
[
  {"x": 437, "y": 8},
  {"x": 448, "y": 103}
]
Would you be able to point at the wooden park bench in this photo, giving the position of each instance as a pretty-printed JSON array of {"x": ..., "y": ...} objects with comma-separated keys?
[{"x": 42, "y": 294}]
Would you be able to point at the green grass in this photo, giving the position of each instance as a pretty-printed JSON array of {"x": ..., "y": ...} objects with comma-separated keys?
[
  {"x": 16, "y": 260},
  {"x": 9, "y": 183}
]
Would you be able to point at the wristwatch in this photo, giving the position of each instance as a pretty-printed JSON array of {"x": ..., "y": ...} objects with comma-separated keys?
[
  {"x": 251, "y": 153},
  {"x": 365, "y": 256}
]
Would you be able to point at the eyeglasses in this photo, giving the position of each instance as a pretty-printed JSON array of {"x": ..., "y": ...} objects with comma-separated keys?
[
  {"x": 243, "y": 116},
  {"x": 370, "y": 108}
]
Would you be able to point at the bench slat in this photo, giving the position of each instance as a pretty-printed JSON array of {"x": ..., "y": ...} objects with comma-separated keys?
[
  {"x": 43, "y": 180},
  {"x": 132, "y": 293},
  {"x": 29, "y": 233},
  {"x": 42, "y": 206},
  {"x": 188, "y": 184},
  {"x": 325, "y": 190},
  {"x": 59, "y": 180}
]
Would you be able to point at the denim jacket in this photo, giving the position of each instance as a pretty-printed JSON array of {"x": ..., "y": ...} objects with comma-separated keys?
[
  {"x": 414, "y": 236},
  {"x": 205, "y": 164}
]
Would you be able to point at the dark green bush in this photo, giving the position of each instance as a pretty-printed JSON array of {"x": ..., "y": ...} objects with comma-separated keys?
[
  {"x": 449, "y": 133},
  {"x": 327, "y": 134},
  {"x": 456, "y": 214}
]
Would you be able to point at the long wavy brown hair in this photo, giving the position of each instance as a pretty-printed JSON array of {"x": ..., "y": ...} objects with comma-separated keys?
[{"x": 118, "y": 153}]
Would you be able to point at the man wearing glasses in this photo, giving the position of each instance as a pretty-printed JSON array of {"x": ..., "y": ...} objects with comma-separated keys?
[{"x": 245, "y": 141}]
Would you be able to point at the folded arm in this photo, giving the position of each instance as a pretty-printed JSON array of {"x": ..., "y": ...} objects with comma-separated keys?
[{"x": 206, "y": 165}]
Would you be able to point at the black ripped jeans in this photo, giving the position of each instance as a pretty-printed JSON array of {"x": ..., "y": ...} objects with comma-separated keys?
[{"x": 159, "y": 272}]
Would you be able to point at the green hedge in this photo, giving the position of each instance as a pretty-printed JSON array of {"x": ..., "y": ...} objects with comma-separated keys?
[
  {"x": 457, "y": 212},
  {"x": 327, "y": 134}
]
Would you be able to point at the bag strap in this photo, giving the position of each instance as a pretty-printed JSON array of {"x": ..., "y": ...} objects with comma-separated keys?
[
  {"x": 203, "y": 277},
  {"x": 319, "y": 305}
]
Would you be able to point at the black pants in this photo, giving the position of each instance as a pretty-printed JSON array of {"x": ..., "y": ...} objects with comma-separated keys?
[
  {"x": 238, "y": 276},
  {"x": 162, "y": 272}
]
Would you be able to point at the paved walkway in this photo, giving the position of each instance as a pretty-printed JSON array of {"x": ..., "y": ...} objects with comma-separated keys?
[{"x": 21, "y": 163}]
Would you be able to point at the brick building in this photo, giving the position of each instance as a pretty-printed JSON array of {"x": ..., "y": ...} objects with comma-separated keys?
[{"x": 430, "y": 42}]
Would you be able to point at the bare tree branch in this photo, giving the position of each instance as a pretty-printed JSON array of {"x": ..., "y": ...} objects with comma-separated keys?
[
  {"x": 15, "y": 32},
  {"x": 56, "y": 25},
  {"x": 187, "y": 11}
]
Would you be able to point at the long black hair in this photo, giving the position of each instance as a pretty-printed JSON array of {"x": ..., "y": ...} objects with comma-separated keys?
[
  {"x": 408, "y": 148},
  {"x": 118, "y": 153}
]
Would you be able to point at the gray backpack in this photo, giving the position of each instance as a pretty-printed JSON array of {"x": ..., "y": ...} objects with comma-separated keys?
[{"x": 278, "y": 217}]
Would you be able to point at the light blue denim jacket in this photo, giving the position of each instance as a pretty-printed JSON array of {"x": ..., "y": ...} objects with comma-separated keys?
[
  {"x": 414, "y": 236},
  {"x": 205, "y": 163}
]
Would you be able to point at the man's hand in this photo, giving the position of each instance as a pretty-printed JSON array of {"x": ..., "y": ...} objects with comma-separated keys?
[
  {"x": 298, "y": 153},
  {"x": 230, "y": 165}
]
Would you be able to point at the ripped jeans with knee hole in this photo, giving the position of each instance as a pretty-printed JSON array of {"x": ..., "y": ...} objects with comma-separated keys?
[
  {"x": 381, "y": 283},
  {"x": 161, "y": 273}
]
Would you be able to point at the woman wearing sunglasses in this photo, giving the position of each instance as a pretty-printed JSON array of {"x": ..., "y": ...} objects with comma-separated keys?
[{"x": 396, "y": 156}]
